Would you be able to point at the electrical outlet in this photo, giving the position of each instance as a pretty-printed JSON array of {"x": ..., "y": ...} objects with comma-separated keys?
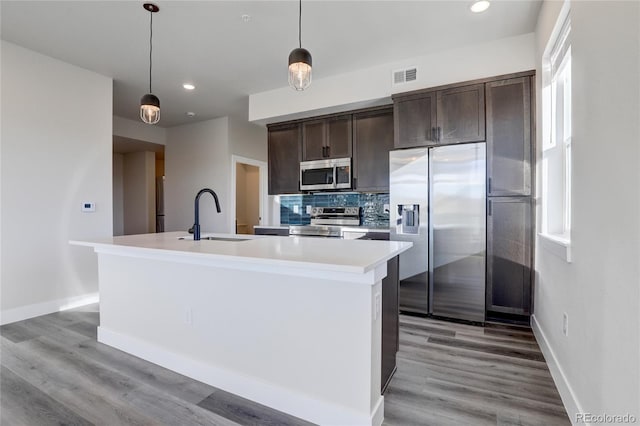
[
  {"x": 565, "y": 324},
  {"x": 296, "y": 209},
  {"x": 188, "y": 316},
  {"x": 378, "y": 306},
  {"x": 308, "y": 209}
]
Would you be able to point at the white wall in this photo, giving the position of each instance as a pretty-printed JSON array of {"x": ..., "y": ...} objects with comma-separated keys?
[
  {"x": 247, "y": 139},
  {"x": 597, "y": 366},
  {"x": 197, "y": 156},
  {"x": 139, "y": 192},
  {"x": 118, "y": 194},
  {"x": 56, "y": 154},
  {"x": 138, "y": 130},
  {"x": 372, "y": 86}
]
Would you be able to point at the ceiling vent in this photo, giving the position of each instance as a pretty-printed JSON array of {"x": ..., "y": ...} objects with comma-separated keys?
[{"x": 405, "y": 76}]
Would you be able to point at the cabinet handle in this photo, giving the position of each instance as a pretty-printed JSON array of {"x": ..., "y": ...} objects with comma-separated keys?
[
  {"x": 329, "y": 151},
  {"x": 489, "y": 208},
  {"x": 355, "y": 183},
  {"x": 489, "y": 186},
  {"x": 324, "y": 151},
  {"x": 433, "y": 134}
]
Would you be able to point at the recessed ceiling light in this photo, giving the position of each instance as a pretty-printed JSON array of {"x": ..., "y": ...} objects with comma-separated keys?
[
  {"x": 480, "y": 6},
  {"x": 191, "y": 114},
  {"x": 188, "y": 86}
]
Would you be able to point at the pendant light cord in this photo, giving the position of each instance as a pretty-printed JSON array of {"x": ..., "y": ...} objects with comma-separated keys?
[
  {"x": 150, "y": 47},
  {"x": 300, "y": 23}
]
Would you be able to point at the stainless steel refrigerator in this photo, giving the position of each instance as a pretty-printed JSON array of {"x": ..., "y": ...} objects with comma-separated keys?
[{"x": 438, "y": 202}]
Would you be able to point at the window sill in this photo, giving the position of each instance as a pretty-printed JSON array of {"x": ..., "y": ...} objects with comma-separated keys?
[{"x": 558, "y": 246}]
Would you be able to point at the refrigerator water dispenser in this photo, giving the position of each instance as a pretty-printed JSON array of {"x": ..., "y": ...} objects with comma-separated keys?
[{"x": 408, "y": 219}]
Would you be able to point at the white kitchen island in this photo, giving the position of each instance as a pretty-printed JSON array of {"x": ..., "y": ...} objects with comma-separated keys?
[{"x": 291, "y": 323}]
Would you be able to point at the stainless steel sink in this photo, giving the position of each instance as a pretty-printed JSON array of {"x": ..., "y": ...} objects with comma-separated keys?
[
  {"x": 218, "y": 239},
  {"x": 224, "y": 239}
]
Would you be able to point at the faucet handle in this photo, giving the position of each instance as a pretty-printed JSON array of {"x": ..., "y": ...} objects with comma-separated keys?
[{"x": 191, "y": 230}]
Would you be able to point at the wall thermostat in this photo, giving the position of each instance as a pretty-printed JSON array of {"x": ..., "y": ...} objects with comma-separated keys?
[{"x": 88, "y": 207}]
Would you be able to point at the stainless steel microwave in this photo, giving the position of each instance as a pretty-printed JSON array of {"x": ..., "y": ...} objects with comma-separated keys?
[{"x": 325, "y": 174}]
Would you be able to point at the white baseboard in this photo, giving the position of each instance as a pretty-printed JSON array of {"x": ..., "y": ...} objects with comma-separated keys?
[
  {"x": 279, "y": 398},
  {"x": 569, "y": 398},
  {"x": 37, "y": 309}
]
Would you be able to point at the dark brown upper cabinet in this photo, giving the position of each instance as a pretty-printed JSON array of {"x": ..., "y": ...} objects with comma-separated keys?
[
  {"x": 415, "y": 120},
  {"x": 284, "y": 159},
  {"x": 372, "y": 141},
  {"x": 509, "y": 137},
  {"x": 327, "y": 138},
  {"x": 460, "y": 115},
  {"x": 439, "y": 117}
]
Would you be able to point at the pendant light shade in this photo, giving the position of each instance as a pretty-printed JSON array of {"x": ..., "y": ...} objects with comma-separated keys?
[
  {"x": 149, "y": 103},
  {"x": 150, "y": 108},
  {"x": 299, "y": 61},
  {"x": 299, "y": 68}
]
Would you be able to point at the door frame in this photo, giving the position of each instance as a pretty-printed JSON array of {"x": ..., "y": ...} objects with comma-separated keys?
[{"x": 262, "y": 190}]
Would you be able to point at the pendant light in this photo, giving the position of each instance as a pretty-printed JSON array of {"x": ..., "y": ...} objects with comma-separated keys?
[
  {"x": 149, "y": 103},
  {"x": 299, "y": 61}
]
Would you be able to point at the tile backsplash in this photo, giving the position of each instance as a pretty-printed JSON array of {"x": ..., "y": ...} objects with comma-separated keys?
[{"x": 293, "y": 208}]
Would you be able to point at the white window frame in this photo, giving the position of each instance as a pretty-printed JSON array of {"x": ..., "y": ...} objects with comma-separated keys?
[{"x": 555, "y": 235}]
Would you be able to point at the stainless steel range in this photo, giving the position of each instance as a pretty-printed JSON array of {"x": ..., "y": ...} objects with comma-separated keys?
[{"x": 328, "y": 222}]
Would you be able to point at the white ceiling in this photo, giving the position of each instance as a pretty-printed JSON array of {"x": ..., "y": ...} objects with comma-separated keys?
[{"x": 207, "y": 42}]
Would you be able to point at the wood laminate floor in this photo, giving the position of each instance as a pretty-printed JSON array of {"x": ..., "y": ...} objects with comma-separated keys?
[{"x": 54, "y": 372}]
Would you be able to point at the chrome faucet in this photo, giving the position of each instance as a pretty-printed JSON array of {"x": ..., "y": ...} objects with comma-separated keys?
[{"x": 196, "y": 225}]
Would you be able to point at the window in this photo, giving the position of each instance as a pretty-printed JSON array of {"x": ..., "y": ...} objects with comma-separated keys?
[{"x": 556, "y": 144}]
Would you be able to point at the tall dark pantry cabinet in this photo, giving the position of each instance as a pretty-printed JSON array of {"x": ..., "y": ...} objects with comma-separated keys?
[{"x": 510, "y": 112}]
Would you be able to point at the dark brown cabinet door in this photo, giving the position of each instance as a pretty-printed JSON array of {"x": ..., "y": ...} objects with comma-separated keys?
[
  {"x": 373, "y": 139},
  {"x": 327, "y": 138},
  {"x": 509, "y": 231},
  {"x": 314, "y": 140},
  {"x": 339, "y": 137},
  {"x": 284, "y": 159},
  {"x": 415, "y": 120},
  {"x": 461, "y": 114},
  {"x": 509, "y": 137}
]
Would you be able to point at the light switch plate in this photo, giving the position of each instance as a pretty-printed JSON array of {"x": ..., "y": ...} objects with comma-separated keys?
[
  {"x": 308, "y": 209},
  {"x": 296, "y": 209}
]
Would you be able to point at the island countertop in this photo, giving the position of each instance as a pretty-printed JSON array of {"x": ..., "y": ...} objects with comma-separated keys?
[{"x": 327, "y": 254}]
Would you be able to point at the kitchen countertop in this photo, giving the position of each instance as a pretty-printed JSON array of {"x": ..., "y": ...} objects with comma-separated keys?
[{"x": 310, "y": 254}]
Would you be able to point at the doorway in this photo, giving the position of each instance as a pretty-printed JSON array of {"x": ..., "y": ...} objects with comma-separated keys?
[
  {"x": 248, "y": 193},
  {"x": 138, "y": 170}
]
